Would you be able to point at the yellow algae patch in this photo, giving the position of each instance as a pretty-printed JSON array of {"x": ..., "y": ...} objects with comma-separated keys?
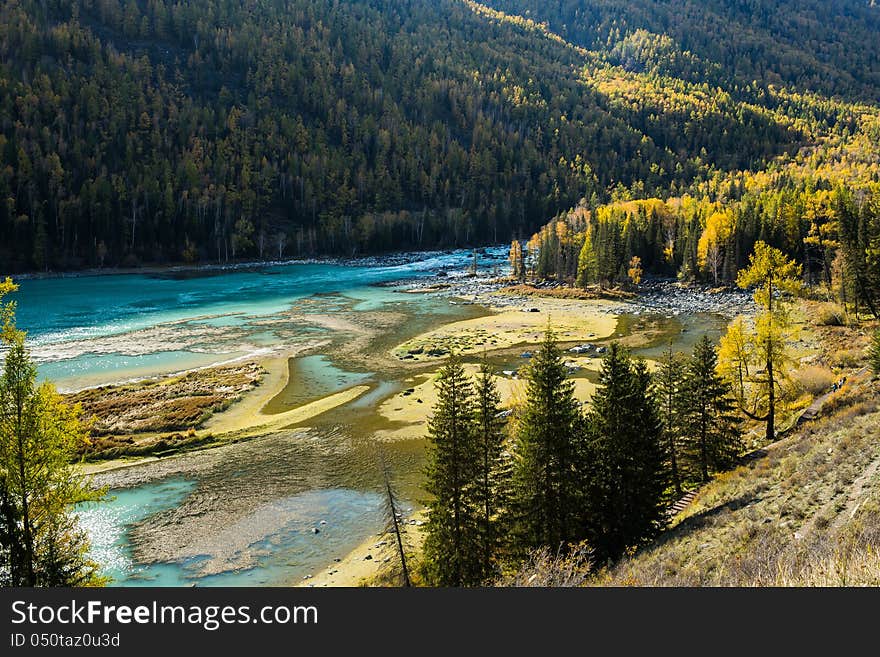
[
  {"x": 245, "y": 411},
  {"x": 571, "y": 320},
  {"x": 247, "y": 414},
  {"x": 305, "y": 412},
  {"x": 410, "y": 409}
]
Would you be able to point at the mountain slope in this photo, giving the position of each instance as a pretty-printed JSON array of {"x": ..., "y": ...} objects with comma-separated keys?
[
  {"x": 135, "y": 131},
  {"x": 810, "y": 45}
]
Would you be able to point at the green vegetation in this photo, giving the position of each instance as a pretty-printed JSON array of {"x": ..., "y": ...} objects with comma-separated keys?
[
  {"x": 453, "y": 554},
  {"x": 874, "y": 353},
  {"x": 625, "y": 458},
  {"x": 163, "y": 131},
  {"x": 592, "y": 485},
  {"x": 41, "y": 543},
  {"x": 548, "y": 444}
]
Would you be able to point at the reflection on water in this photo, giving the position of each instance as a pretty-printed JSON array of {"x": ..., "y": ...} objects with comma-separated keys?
[
  {"x": 313, "y": 377},
  {"x": 107, "y": 523}
]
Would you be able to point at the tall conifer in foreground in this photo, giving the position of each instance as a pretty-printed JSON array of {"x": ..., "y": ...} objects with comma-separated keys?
[
  {"x": 713, "y": 428},
  {"x": 452, "y": 550},
  {"x": 669, "y": 387},
  {"x": 546, "y": 474},
  {"x": 625, "y": 456},
  {"x": 491, "y": 485}
]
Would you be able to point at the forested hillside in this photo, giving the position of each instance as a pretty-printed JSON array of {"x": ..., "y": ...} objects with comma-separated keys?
[
  {"x": 139, "y": 131},
  {"x": 812, "y": 45}
]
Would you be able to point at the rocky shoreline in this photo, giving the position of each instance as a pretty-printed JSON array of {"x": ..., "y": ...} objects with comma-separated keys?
[{"x": 656, "y": 296}]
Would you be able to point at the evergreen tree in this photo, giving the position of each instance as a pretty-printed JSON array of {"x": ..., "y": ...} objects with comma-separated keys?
[
  {"x": 452, "y": 548},
  {"x": 874, "y": 353},
  {"x": 713, "y": 428},
  {"x": 669, "y": 387},
  {"x": 546, "y": 474},
  {"x": 626, "y": 456},
  {"x": 491, "y": 485}
]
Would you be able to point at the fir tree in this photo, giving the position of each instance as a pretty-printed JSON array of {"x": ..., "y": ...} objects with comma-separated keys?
[
  {"x": 669, "y": 389},
  {"x": 451, "y": 549},
  {"x": 713, "y": 427},
  {"x": 491, "y": 484},
  {"x": 547, "y": 450},
  {"x": 625, "y": 449}
]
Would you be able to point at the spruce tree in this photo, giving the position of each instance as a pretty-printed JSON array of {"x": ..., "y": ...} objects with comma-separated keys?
[
  {"x": 669, "y": 391},
  {"x": 491, "y": 485},
  {"x": 713, "y": 427},
  {"x": 451, "y": 549},
  {"x": 626, "y": 458},
  {"x": 546, "y": 474}
]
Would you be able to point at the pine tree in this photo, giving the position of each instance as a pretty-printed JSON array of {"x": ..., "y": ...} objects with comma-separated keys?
[
  {"x": 491, "y": 484},
  {"x": 713, "y": 428},
  {"x": 452, "y": 549},
  {"x": 626, "y": 458},
  {"x": 669, "y": 386},
  {"x": 546, "y": 474}
]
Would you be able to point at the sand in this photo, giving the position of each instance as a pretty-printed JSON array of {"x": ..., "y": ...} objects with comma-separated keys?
[
  {"x": 571, "y": 320},
  {"x": 356, "y": 570}
]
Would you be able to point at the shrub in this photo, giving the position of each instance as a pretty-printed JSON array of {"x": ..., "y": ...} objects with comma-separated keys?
[
  {"x": 874, "y": 353},
  {"x": 830, "y": 314},
  {"x": 847, "y": 358},
  {"x": 814, "y": 379}
]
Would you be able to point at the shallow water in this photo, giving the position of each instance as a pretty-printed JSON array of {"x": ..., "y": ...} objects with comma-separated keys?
[
  {"x": 89, "y": 330},
  {"x": 244, "y": 514}
]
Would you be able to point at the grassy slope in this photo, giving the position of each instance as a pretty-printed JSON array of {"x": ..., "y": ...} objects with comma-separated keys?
[{"x": 806, "y": 514}]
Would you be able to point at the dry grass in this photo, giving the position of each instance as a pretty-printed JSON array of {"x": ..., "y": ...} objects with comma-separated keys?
[
  {"x": 545, "y": 568},
  {"x": 814, "y": 379},
  {"x": 174, "y": 404},
  {"x": 830, "y": 314},
  {"x": 568, "y": 292},
  {"x": 807, "y": 514}
]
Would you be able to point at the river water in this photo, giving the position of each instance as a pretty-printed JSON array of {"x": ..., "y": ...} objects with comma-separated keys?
[{"x": 246, "y": 513}]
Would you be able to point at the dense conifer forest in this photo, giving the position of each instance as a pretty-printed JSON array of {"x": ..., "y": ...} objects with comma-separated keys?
[{"x": 153, "y": 131}]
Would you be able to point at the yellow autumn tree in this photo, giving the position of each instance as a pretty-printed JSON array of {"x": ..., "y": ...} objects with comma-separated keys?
[
  {"x": 635, "y": 270},
  {"x": 710, "y": 248},
  {"x": 755, "y": 358}
]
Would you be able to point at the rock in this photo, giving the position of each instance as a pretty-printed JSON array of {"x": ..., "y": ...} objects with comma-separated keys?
[
  {"x": 323, "y": 522},
  {"x": 337, "y": 560},
  {"x": 526, "y": 354},
  {"x": 534, "y": 310},
  {"x": 369, "y": 557},
  {"x": 417, "y": 350},
  {"x": 315, "y": 530}
]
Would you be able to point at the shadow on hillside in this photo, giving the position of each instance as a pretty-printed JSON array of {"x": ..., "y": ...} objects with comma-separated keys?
[{"x": 704, "y": 518}]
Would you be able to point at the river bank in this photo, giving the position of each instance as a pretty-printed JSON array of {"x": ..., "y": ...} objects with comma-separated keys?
[
  {"x": 349, "y": 374},
  {"x": 170, "y": 269}
]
